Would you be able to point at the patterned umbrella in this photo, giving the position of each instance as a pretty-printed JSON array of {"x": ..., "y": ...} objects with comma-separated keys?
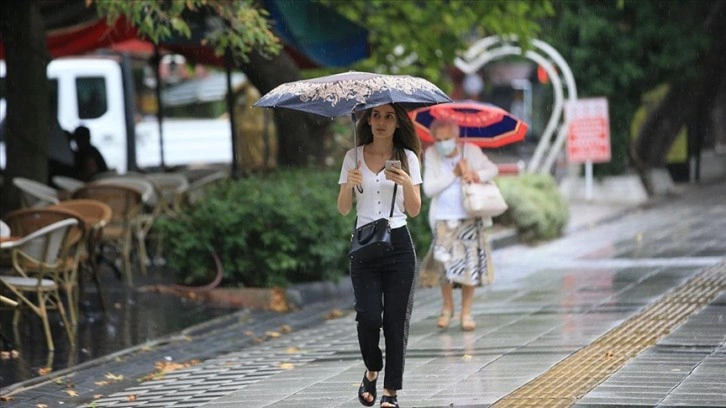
[
  {"x": 483, "y": 124},
  {"x": 350, "y": 92}
]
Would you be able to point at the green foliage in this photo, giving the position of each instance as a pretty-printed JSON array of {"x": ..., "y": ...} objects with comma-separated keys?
[
  {"x": 423, "y": 37},
  {"x": 621, "y": 49},
  {"x": 242, "y": 27},
  {"x": 268, "y": 230},
  {"x": 537, "y": 208},
  {"x": 283, "y": 227}
]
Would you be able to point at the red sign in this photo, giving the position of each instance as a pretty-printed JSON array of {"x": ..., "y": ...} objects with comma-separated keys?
[{"x": 588, "y": 136}]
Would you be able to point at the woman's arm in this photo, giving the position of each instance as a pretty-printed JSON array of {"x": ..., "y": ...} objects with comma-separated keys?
[
  {"x": 411, "y": 192},
  {"x": 485, "y": 168},
  {"x": 434, "y": 180},
  {"x": 345, "y": 198}
]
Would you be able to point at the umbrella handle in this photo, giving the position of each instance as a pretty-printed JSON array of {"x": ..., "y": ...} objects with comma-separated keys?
[{"x": 355, "y": 146}]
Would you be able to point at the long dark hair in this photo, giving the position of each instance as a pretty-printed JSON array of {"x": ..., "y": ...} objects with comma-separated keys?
[{"x": 404, "y": 137}]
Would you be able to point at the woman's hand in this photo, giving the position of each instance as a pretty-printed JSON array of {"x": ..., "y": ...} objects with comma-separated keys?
[
  {"x": 467, "y": 174},
  {"x": 470, "y": 176},
  {"x": 398, "y": 176},
  {"x": 355, "y": 177}
]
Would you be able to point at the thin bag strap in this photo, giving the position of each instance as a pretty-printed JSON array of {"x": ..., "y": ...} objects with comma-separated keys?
[{"x": 393, "y": 200}]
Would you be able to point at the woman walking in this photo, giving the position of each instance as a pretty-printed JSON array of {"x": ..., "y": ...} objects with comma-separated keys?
[
  {"x": 383, "y": 286},
  {"x": 459, "y": 245}
]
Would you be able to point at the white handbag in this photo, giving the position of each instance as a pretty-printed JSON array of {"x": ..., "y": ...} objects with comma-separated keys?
[{"x": 483, "y": 199}]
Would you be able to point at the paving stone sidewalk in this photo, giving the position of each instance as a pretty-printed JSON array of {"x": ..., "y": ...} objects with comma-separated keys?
[{"x": 548, "y": 301}]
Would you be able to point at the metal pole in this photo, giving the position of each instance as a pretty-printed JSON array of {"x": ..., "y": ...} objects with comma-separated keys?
[
  {"x": 230, "y": 111},
  {"x": 159, "y": 113}
]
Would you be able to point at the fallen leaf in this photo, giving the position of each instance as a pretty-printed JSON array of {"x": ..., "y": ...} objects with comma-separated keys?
[
  {"x": 466, "y": 357},
  {"x": 14, "y": 353},
  {"x": 292, "y": 350},
  {"x": 285, "y": 328},
  {"x": 44, "y": 370},
  {"x": 101, "y": 383},
  {"x": 71, "y": 393},
  {"x": 334, "y": 314},
  {"x": 5, "y": 398},
  {"x": 131, "y": 397},
  {"x": 287, "y": 366},
  {"x": 41, "y": 406},
  {"x": 97, "y": 396},
  {"x": 272, "y": 334},
  {"x": 114, "y": 377},
  {"x": 249, "y": 333}
]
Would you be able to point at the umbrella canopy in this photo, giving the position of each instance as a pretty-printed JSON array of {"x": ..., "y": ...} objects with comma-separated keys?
[
  {"x": 483, "y": 124},
  {"x": 349, "y": 92}
]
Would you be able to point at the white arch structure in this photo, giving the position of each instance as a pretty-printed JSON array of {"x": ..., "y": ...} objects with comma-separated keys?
[{"x": 495, "y": 47}]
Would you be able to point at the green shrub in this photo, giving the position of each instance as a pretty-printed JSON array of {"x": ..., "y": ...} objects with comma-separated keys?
[
  {"x": 284, "y": 227},
  {"x": 268, "y": 230},
  {"x": 537, "y": 208}
]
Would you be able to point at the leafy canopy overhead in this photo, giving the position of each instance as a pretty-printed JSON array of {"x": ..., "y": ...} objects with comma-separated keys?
[
  {"x": 240, "y": 27},
  {"x": 424, "y": 37}
]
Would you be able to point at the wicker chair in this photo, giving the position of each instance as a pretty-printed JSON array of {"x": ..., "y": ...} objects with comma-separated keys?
[
  {"x": 26, "y": 221},
  {"x": 96, "y": 214},
  {"x": 126, "y": 204},
  {"x": 144, "y": 220},
  {"x": 68, "y": 184},
  {"x": 34, "y": 193},
  {"x": 198, "y": 188},
  {"x": 172, "y": 188},
  {"x": 38, "y": 260}
]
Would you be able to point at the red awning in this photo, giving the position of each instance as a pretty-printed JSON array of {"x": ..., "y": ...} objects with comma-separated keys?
[{"x": 122, "y": 36}]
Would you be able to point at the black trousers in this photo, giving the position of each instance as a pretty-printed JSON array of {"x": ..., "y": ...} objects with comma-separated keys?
[{"x": 384, "y": 291}]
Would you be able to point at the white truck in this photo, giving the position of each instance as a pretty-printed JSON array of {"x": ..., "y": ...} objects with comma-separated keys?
[{"x": 98, "y": 92}]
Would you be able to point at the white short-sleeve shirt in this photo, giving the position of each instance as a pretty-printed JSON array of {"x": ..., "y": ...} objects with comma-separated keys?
[{"x": 375, "y": 201}]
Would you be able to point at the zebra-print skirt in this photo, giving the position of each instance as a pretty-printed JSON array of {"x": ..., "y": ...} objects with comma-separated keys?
[{"x": 461, "y": 248}]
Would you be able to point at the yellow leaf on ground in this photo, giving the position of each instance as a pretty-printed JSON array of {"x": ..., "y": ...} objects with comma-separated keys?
[
  {"x": 44, "y": 370},
  {"x": 466, "y": 357},
  {"x": 292, "y": 350},
  {"x": 272, "y": 334},
  {"x": 334, "y": 314},
  {"x": 285, "y": 328},
  {"x": 71, "y": 393},
  {"x": 287, "y": 366},
  {"x": 114, "y": 377}
]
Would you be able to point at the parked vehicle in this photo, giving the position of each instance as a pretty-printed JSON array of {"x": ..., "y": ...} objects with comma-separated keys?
[{"x": 98, "y": 92}]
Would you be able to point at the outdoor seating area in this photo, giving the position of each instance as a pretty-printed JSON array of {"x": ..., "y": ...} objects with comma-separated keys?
[{"x": 72, "y": 232}]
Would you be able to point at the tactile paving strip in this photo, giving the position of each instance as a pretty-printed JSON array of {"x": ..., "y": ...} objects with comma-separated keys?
[{"x": 573, "y": 377}]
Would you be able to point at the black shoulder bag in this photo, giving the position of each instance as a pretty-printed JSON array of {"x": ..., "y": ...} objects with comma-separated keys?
[{"x": 372, "y": 240}]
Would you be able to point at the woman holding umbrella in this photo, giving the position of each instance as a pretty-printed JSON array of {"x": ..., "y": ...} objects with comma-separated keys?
[
  {"x": 459, "y": 245},
  {"x": 383, "y": 287}
]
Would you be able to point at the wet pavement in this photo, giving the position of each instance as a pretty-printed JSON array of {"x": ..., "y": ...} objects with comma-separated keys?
[
  {"x": 627, "y": 309},
  {"x": 132, "y": 318}
]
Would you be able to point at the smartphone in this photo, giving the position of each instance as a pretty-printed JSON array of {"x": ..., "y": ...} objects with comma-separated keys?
[{"x": 390, "y": 164}]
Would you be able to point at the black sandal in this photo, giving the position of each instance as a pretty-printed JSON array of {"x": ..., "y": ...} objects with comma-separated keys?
[
  {"x": 389, "y": 399},
  {"x": 369, "y": 387}
]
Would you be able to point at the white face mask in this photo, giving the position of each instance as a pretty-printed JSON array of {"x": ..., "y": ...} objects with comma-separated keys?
[{"x": 445, "y": 147}]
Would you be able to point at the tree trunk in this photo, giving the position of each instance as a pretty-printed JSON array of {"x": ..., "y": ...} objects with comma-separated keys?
[
  {"x": 686, "y": 102},
  {"x": 28, "y": 104},
  {"x": 300, "y": 135}
]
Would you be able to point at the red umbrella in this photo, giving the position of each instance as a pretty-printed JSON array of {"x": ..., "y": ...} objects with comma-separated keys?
[{"x": 481, "y": 123}]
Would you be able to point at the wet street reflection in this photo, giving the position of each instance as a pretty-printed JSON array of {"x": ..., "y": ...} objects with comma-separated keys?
[{"x": 134, "y": 318}]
